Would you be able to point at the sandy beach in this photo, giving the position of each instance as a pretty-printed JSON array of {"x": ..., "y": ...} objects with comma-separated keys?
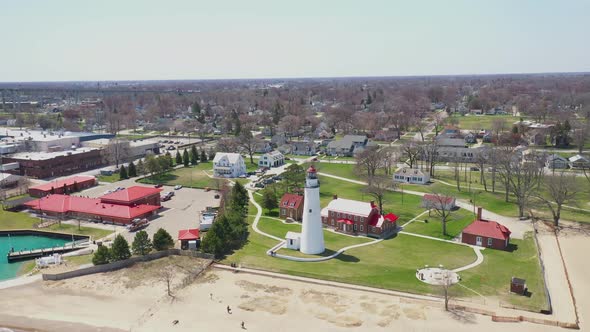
[{"x": 135, "y": 299}]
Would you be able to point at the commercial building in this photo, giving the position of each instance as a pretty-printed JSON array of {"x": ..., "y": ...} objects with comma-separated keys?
[
  {"x": 65, "y": 186},
  {"x": 52, "y": 164},
  {"x": 135, "y": 195}
]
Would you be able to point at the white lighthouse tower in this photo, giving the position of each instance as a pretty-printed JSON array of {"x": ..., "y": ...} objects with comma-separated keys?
[{"x": 312, "y": 235}]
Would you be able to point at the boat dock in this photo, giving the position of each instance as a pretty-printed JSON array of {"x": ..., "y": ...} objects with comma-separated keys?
[{"x": 36, "y": 253}]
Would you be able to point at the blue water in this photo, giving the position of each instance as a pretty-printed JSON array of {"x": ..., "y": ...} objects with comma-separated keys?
[{"x": 22, "y": 242}]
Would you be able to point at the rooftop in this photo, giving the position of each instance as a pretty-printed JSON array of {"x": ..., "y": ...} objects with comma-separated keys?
[
  {"x": 188, "y": 234},
  {"x": 489, "y": 229},
  {"x": 349, "y": 206},
  {"x": 47, "y": 155},
  {"x": 131, "y": 194},
  {"x": 60, "y": 183}
]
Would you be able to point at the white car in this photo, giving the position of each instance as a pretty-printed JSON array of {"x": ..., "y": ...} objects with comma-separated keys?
[{"x": 177, "y": 187}]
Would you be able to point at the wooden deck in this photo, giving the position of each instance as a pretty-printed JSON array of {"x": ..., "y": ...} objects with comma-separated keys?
[{"x": 35, "y": 253}]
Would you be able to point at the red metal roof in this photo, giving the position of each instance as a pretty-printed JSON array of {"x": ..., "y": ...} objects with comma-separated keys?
[
  {"x": 346, "y": 221},
  {"x": 94, "y": 206},
  {"x": 131, "y": 194},
  {"x": 391, "y": 217},
  {"x": 60, "y": 183},
  {"x": 188, "y": 234},
  {"x": 292, "y": 200},
  {"x": 311, "y": 169},
  {"x": 488, "y": 229}
]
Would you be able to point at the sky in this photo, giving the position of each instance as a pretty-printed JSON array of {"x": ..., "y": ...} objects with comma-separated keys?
[{"x": 79, "y": 40}]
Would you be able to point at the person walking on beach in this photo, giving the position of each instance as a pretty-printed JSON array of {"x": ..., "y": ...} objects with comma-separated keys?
[
  {"x": 228, "y": 310},
  {"x": 243, "y": 326},
  {"x": 211, "y": 296}
]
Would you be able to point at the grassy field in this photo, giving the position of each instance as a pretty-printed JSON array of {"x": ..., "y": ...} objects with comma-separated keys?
[
  {"x": 492, "y": 277},
  {"x": 458, "y": 220},
  {"x": 21, "y": 220},
  {"x": 193, "y": 177},
  {"x": 109, "y": 178},
  {"x": 477, "y": 122}
]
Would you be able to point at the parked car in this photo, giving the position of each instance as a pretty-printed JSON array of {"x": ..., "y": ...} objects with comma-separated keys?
[
  {"x": 165, "y": 198},
  {"x": 159, "y": 185},
  {"x": 177, "y": 187},
  {"x": 475, "y": 169},
  {"x": 171, "y": 147},
  {"x": 259, "y": 185}
]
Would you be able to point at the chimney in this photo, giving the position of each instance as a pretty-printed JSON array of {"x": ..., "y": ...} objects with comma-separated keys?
[
  {"x": 372, "y": 203},
  {"x": 334, "y": 196},
  {"x": 479, "y": 213}
]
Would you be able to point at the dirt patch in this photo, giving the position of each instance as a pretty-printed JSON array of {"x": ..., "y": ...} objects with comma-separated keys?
[
  {"x": 268, "y": 304},
  {"x": 341, "y": 321},
  {"x": 389, "y": 314},
  {"x": 415, "y": 313},
  {"x": 369, "y": 307},
  {"x": 208, "y": 277},
  {"x": 255, "y": 287},
  {"x": 326, "y": 300}
]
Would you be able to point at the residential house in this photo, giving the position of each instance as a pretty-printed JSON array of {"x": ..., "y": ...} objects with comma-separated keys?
[
  {"x": 271, "y": 159},
  {"x": 450, "y": 153},
  {"x": 579, "y": 161},
  {"x": 535, "y": 137},
  {"x": 471, "y": 138},
  {"x": 411, "y": 175},
  {"x": 555, "y": 161},
  {"x": 229, "y": 165},
  {"x": 476, "y": 111},
  {"x": 279, "y": 139},
  {"x": 291, "y": 206},
  {"x": 387, "y": 134},
  {"x": 303, "y": 148},
  {"x": 358, "y": 218},
  {"x": 488, "y": 137},
  {"x": 486, "y": 233},
  {"x": 430, "y": 201},
  {"x": 347, "y": 145},
  {"x": 262, "y": 147}
]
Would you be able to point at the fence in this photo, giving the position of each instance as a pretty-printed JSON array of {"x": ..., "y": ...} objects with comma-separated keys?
[
  {"x": 549, "y": 305},
  {"x": 125, "y": 263}
]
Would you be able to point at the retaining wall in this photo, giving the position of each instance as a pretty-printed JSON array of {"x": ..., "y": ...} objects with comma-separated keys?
[{"x": 125, "y": 263}]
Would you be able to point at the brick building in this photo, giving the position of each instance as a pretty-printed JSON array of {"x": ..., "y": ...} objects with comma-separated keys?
[
  {"x": 358, "y": 218},
  {"x": 486, "y": 233},
  {"x": 291, "y": 206},
  {"x": 134, "y": 195},
  {"x": 70, "y": 185},
  {"x": 51, "y": 164}
]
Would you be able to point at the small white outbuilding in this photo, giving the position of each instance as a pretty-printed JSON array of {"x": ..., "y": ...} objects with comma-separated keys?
[{"x": 293, "y": 240}]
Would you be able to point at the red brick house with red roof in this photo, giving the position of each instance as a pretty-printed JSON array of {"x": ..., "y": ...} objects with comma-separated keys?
[
  {"x": 134, "y": 195},
  {"x": 486, "y": 233},
  {"x": 72, "y": 184},
  {"x": 358, "y": 218},
  {"x": 291, "y": 206}
]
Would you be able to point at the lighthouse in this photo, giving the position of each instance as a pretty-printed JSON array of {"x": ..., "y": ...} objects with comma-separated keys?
[{"x": 312, "y": 235}]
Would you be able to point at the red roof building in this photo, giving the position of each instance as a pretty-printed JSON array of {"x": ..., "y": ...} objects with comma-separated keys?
[
  {"x": 72, "y": 184},
  {"x": 358, "y": 218},
  {"x": 291, "y": 206},
  {"x": 134, "y": 195},
  {"x": 486, "y": 233},
  {"x": 95, "y": 209},
  {"x": 188, "y": 235}
]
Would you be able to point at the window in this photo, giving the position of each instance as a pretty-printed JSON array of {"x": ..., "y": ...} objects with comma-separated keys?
[
  {"x": 338, "y": 214},
  {"x": 309, "y": 210},
  {"x": 361, "y": 228},
  {"x": 355, "y": 227},
  {"x": 356, "y": 218},
  {"x": 283, "y": 211},
  {"x": 490, "y": 242},
  {"x": 332, "y": 222}
]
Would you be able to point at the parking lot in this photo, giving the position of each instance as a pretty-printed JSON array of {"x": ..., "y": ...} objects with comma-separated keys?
[{"x": 180, "y": 212}]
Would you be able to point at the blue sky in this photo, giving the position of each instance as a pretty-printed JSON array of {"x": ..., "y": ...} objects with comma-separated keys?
[{"x": 131, "y": 40}]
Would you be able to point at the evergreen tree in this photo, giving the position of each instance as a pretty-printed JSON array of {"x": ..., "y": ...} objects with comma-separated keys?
[
  {"x": 120, "y": 249},
  {"x": 123, "y": 173},
  {"x": 269, "y": 200},
  {"x": 239, "y": 195},
  {"x": 194, "y": 155},
  {"x": 142, "y": 244},
  {"x": 162, "y": 240},
  {"x": 101, "y": 256},
  {"x": 211, "y": 154},
  {"x": 203, "y": 156},
  {"x": 140, "y": 167},
  {"x": 178, "y": 158},
  {"x": 185, "y": 158},
  {"x": 132, "y": 172}
]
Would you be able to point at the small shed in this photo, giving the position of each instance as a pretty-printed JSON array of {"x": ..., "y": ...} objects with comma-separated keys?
[
  {"x": 189, "y": 239},
  {"x": 518, "y": 286},
  {"x": 293, "y": 240}
]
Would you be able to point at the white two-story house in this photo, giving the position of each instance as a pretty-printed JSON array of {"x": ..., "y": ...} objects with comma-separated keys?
[{"x": 229, "y": 165}]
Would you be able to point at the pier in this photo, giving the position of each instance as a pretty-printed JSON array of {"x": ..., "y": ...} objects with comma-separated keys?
[{"x": 15, "y": 256}]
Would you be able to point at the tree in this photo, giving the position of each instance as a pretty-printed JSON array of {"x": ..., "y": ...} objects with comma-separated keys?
[
  {"x": 369, "y": 160},
  {"x": 194, "y": 155},
  {"x": 178, "y": 158},
  {"x": 101, "y": 256},
  {"x": 140, "y": 167},
  {"x": 152, "y": 165},
  {"x": 132, "y": 171},
  {"x": 116, "y": 151},
  {"x": 293, "y": 177},
  {"x": 269, "y": 200},
  {"x": 120, "y": 249},
  {"x": 123, "y": 173},
  {"x": 411, "y": 151},
  {"x": 441, "y": 205},
  {"x": 185, "y": 158},
  {"x": 239, "y": 194},
  {"x": 558, "y": 190},
  {"x": 142, "y": 244},
  {"x": 248, "y": 142},
  {"x": 162, "y": 240},
  {"x": 203, "y": 156},
  {"x": 377, "y": 187}
]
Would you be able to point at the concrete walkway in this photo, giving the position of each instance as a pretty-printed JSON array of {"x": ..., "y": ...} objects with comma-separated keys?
[{"x": 478, "y": 261}]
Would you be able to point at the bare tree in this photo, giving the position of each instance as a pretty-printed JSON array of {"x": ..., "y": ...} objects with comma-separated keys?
[
  {"x": 369, "y": 160},
  {"x": 390, "y": 158},
  {"x": 443, "y": 207},
  {"x": 411, "y": 151},
  {"x": 580, "y": 134},
  {"x": 558, "y": 190},
  {"x": 377, "y": 187},
  {"x": 116, "y": 151},
  {"x": 167, "y": 275},
  {"x": 248, "y": 142}
]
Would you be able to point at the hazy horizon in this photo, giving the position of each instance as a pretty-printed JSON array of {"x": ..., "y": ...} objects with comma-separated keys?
[{"x": 70, "y": 41}]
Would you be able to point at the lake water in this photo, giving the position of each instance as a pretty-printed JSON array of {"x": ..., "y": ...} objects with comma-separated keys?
[{"x": 22, "y": 242}]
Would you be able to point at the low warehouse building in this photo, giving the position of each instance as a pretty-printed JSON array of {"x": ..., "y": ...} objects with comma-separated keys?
[{"x": 66, "y": 186}]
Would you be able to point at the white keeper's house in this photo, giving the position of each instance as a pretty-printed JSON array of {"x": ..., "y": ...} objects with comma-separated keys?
[
  {"x": 228, "y": 165},
  {"x": 271, "y": 159},
  {"x": 411, "y": 175}
]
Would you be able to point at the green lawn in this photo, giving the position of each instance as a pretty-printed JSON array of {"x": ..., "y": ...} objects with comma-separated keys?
[
  {"x": 193, "y": 176},
  {"x": 458, "y": 220},
  {"x": 109, "y": 178},
  {"x": 476, "y": 122},
  {"x": 22, "y": 220},
  {"x": 389, "y": 264},
  {"x": 492, "y": 277}
]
